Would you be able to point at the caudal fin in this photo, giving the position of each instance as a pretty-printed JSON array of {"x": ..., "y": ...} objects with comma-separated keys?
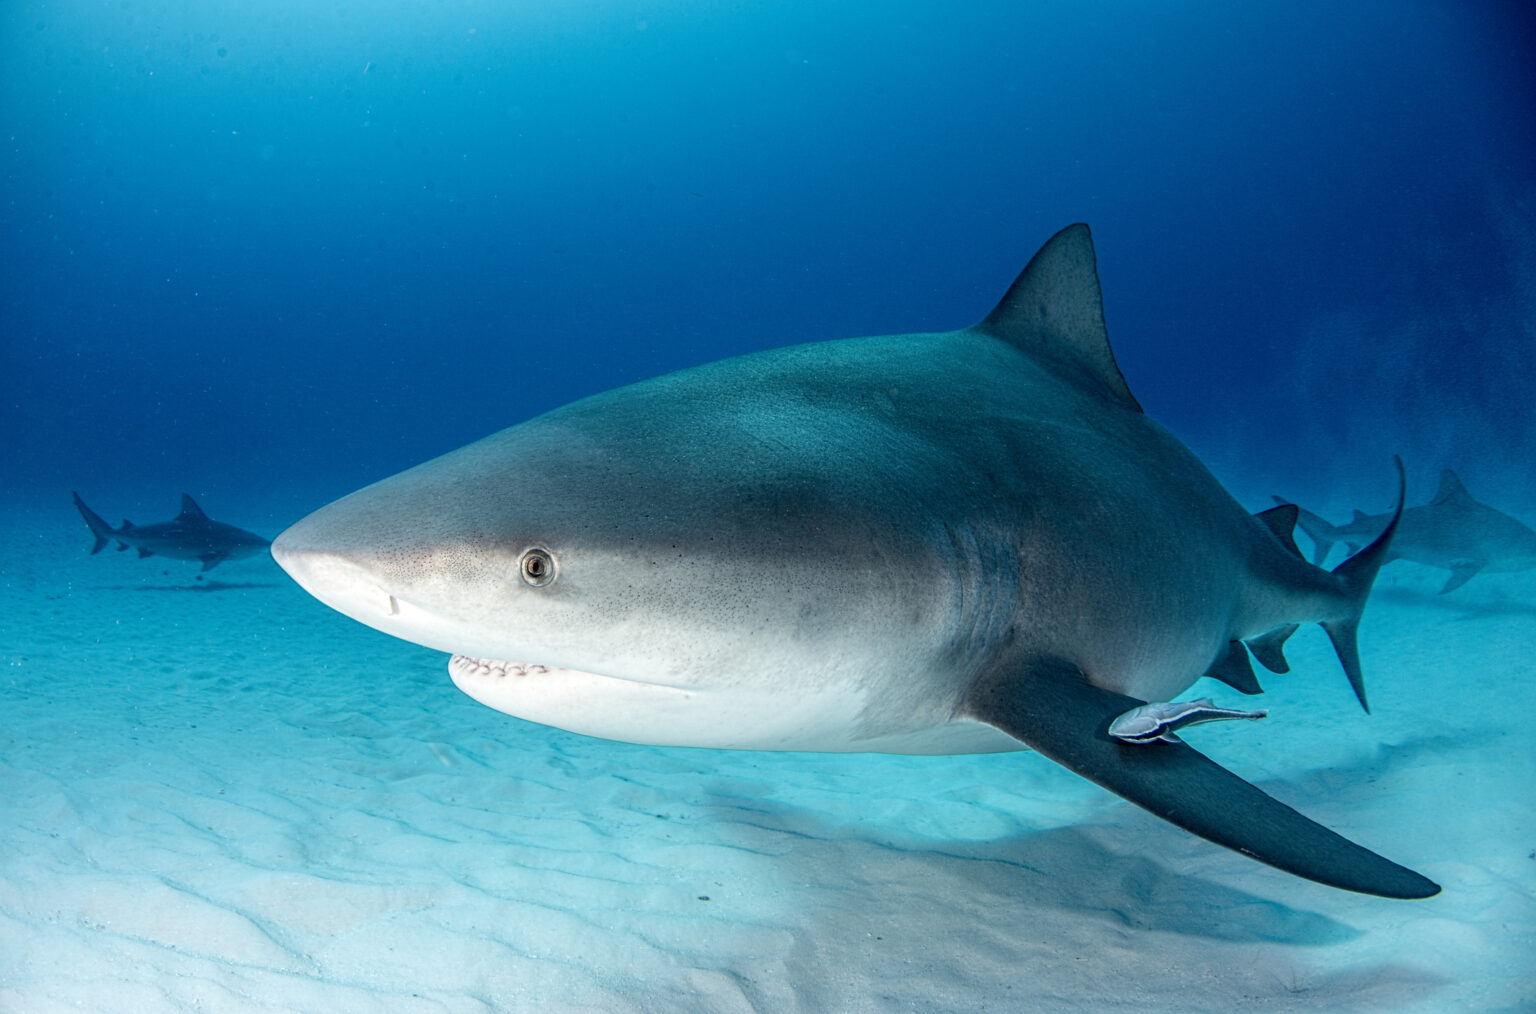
[
  {"x": 1357, "y": 575},
  {"x": 99, "y": 528}
]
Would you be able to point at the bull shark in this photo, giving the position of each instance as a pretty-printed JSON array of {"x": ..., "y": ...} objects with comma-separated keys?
[
  {"x": 1453, "y": 532},
  {"x": 190, "y": 535},
  {"x": 956, "y": 542}
]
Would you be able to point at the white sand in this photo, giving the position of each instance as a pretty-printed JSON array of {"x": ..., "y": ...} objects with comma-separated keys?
[{"x": 233, "y": 799}]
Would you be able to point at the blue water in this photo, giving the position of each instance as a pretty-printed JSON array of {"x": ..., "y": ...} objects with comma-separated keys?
[
  {"x": 261, "y": 245},
  {"x": 268, "y": 252}
]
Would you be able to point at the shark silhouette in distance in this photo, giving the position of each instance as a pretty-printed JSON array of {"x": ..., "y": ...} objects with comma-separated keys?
[
  {"x": 957, "y": 542},
  {"x": 190, "y": 535},
  {"x": 1453, "y": 532}
]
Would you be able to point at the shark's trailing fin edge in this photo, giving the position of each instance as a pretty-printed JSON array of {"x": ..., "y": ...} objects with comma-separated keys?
[
  {"x": 1051, "y": 706},
  {"x": 99, "y": 528},
  {"x": 1055, "y": 309},
  {"x": 1357, "y": 574}
]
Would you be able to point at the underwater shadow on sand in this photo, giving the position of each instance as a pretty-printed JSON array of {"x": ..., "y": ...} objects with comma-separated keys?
[
  {"x": 1088, "y": 909},
  {"x": 1068, "y": 869},
  {"x": 1110, "y": 866},
  {"x": 1468, "y": 605}
]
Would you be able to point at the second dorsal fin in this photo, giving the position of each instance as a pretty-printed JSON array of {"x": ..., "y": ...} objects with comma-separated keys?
[{"x": 1282, "y": 521}]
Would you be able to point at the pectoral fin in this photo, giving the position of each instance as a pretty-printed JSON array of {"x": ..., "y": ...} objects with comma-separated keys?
[
  {"x": 1051, "y": 706},
  {"x": 1464, "y": 571}
]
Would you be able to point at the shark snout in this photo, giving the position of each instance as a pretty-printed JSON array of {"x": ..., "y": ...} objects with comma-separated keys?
[
  {"x": 391, "y": 586},
  {"x": 334, "y": 578}
]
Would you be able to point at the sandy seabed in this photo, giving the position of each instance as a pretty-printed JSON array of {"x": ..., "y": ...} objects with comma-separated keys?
[{"x": 217, "y": 795}]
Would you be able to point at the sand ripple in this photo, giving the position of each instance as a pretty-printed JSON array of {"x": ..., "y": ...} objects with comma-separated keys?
[{"x": 239, "y": 801}]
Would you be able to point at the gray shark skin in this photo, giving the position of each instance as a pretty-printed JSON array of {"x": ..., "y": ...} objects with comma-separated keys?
[
  {"x": 190, "y": 535},
  {"x": 1453, "y": 532},
  {"x": 966, "y": 541}
]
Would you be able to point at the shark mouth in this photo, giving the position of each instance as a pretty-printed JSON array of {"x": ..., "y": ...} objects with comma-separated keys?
[
  {"x": 463, "y": 665},
  {"x": 468, "y": 671}
]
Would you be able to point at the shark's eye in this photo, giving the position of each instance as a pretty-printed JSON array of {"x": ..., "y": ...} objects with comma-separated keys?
[{"x": 537, "y": 567}]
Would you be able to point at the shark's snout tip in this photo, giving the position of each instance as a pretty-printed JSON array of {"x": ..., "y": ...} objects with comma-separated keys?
[
  {"x": 332, "y": 575},
  {"x": 300, "y": 555},
  {"x": 285, "y": 551}
]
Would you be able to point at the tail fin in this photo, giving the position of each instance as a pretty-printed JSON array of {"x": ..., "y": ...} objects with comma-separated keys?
[
  {"x": 1357, "y": 574},
  {"x": 99, "y": 528}
]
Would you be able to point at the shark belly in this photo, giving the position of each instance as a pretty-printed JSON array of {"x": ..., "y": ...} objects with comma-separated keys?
[{"x": 832, "y": 720}]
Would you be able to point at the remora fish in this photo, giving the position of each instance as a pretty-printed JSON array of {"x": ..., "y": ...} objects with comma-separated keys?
[
  {"x": 190, "y": 535},
  {"x": 926, "y": 543},
  {"x": 1453, "y": 532},
  {"x": 1162, "y": 721}
]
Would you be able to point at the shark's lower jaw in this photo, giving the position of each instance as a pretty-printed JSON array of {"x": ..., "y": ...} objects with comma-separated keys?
[
  {"x": 468, "y": 671},
  {"x": 466, "y": 666},
  {"x": 605, "y": 706}
]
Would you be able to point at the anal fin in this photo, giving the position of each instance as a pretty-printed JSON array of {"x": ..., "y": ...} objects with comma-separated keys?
[
  {"x": 1269, "y": 648},
  {"x": 1049, "y": 705}
]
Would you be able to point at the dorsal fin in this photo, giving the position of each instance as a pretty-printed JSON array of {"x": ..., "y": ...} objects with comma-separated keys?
[
  {"x": 1360, "y": 516},
  {"x": 1281, "y": 520},
  {"x": 1451, "y": 490},
  {"x": 1055, "y": 309},
  {"x": 190, "y": 511}
]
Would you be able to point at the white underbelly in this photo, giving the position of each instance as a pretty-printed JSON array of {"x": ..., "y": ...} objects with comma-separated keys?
[{"x": 826, "y": 721}]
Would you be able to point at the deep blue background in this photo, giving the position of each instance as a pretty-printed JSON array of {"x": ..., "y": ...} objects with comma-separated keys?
[{"x": 268, "y": 252}]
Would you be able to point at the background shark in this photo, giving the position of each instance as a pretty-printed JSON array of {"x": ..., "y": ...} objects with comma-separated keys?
[
  {"x": 926, "y": 543},
  {"x": 190, "y": 535},
  {"x": 1453, "y": 532}
]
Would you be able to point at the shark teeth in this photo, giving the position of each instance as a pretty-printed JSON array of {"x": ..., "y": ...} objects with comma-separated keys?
[{"x": 494, "y": 667}]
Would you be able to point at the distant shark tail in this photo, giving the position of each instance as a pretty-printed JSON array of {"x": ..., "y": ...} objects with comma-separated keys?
[
  {"x": 99, "y": 528},
  {"x": 1322, "y": 533},
  {"x": 1357, "y": 574}
]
